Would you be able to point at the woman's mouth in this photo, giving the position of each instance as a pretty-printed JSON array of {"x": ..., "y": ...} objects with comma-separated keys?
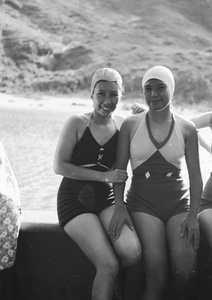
[{"x": 107, "y": 107}]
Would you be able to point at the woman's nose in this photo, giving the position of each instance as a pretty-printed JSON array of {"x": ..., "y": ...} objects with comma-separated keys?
[
  {"x": 107, "y": 99},
  {"x": 153, "y": 92}
]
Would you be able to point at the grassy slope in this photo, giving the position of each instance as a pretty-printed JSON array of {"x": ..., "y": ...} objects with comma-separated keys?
[{"x": 56, "y": 45}]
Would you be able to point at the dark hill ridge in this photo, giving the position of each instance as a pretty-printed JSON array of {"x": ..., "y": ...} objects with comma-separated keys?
[{"x": 55, "y": 46}]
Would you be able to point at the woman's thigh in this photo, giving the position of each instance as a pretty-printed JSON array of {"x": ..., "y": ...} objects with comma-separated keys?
[
  {"x": 205, "y": 221},
  {"x": 127, "y": 246},
  {"x": 183, "y": 257},
  {"x": 88, "y": 233},
  {"x": 151, "y": 231}
]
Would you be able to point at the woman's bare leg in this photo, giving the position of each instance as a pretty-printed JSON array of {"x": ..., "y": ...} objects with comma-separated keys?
[
  {"x": 151, "y": 231},
  {"x": 87, "y": 231},
  {"x": 183, "y": 257},
  {"x": 205, "y": 222},
  {"x": 128, "y": 249}
]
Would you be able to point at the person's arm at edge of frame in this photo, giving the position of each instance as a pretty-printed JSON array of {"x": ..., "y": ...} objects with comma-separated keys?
[
  {"x": 190, "y": 225},
  {"x": 202, "y": 121},
  {"x": 204, "y": 143},
  {"x": 64, "y": 151},
  {"x": 122, "y": 158}
]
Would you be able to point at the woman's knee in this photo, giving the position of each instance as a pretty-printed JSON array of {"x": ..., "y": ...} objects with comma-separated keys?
[
  {"x": 185, "y": 275},
  {"x": 130, "y": 254},
  {"x": 156, "y": 280},
  {"x": 109, "y": 266},
  {"x": 156, "y": 271},
  {"x": 184, "y": 264},
  {"x": 184, "y": 267}
]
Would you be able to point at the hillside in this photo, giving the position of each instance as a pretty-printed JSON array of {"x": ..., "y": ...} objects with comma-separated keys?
[{"x": 54, "y": 46}]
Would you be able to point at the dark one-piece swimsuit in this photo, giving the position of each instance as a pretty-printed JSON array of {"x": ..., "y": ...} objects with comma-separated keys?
[{"x": 77, "y": 197}]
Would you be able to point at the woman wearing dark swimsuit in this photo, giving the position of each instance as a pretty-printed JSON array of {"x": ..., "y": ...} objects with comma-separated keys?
[{"x": 85, "y": 157}]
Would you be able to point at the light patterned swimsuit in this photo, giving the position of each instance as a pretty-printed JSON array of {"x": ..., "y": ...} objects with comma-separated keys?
[
  {"x": 157, "y": 187},
  {"x": 10, "y": 212}
]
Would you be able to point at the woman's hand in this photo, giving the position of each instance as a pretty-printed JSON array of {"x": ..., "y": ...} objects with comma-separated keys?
[
  {"x": 138, "y": 108},
  {"x": 119, "y": 218},
  {"x": 115, "y": 176},
  {"x": 190, "y": 227}
]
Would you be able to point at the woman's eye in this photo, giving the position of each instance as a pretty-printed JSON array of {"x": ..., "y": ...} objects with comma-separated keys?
[{"x": 162, "y": 87}]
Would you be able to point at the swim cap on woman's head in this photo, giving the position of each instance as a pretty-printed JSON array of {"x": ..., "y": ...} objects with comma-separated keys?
[
  {"x": 106, "y": 74},
  {"x": 162, "y": 73}
]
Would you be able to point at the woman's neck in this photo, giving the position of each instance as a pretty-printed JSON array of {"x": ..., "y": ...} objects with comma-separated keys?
[
  {"x": 160, "y": 117},
  {"x": 100, "y": 120}
]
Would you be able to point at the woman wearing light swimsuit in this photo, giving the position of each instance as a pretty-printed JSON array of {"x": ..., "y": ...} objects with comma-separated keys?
[{"x": 164, "y": 210}]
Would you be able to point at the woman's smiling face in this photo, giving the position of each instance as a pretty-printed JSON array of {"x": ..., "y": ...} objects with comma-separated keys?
[
  {"x": 106, "y": 96},
  {"x": 157, "y": 94}
]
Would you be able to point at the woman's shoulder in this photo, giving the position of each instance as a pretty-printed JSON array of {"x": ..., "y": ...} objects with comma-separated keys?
[
  {"x": 186, "y": 126},
  {"x": 132, "y": 122},
  {"x": 135, "y": 119},
  {"x": 183, "y": 121},
  {"x": 118, "y": 120},
  {"x": 78, "y": 120}
]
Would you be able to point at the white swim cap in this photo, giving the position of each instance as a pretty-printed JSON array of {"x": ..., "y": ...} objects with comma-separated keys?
[
  {"x": 162, "y": 73},
  {"x": 106, "y": 74}
]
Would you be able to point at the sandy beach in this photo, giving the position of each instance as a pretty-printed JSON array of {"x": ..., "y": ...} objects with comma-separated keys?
[{"x": 45, "y": 103}]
